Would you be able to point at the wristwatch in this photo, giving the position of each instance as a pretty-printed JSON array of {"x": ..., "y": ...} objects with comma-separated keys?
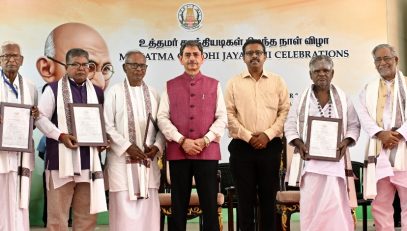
[
  {"x": 181, "y": 141},
  {"x": 206, "y": 140}
]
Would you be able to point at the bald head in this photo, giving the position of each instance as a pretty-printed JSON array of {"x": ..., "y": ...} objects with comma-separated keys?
[
  {"x": 74, "y": 35},
  {"x": 69, "y": 35}
]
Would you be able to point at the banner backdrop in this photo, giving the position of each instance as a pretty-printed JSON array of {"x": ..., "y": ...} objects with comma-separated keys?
[{"x": 292, "y": 30}]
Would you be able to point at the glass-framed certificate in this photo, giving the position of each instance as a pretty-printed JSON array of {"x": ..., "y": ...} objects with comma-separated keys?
[
  {"x": 88, "y": 125},
  {"x": 323, "y": 138},
  {"x": 16, "y": 127}
]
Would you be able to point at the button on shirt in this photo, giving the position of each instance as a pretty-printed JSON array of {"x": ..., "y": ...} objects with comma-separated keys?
[{"x": 256, "y": 106}]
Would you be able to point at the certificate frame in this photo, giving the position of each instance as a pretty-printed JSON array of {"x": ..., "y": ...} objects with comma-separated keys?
[
  {"x": 99, "y": 139},
  {"x": 333, "y": 124},
  {"x": 146, "y": 132},
  {"x": 27, "y": 145}
]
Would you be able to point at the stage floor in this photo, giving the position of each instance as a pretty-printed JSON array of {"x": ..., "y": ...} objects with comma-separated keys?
[{"x": 295, "y": 226}]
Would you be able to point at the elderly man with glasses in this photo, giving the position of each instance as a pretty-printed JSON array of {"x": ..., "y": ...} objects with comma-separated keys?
[
  {"x": 15, "y": 187},
  {"x": 382, "y": 115},
  {"x": 51, "y": 66},
  {"x": 68, "y": 166},
  {"x": 71, "y": 35},
  {"x": 136, "y": 144}
]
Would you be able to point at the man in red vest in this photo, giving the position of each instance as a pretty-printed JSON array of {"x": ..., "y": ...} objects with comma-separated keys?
[{"x": 192, "y": 117}]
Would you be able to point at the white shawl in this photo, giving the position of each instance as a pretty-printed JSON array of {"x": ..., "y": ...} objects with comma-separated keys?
[
  {"x": 25, "y": 160},
  {"x": 69, "y": 160},
  {"x": 399, "y": 105},
  {"x": 137, "y": 173},
  {"x": 339, "y": 103}
]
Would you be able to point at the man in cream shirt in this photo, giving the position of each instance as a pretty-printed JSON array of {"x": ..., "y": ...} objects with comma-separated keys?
[{"x": 257, "y": 105}]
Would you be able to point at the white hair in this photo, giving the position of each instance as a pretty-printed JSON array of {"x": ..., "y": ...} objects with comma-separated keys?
[
  {"x": 49, "y": 49},
  {"x": 132, "y": 52},
  {"x": 9, "y": 43}
]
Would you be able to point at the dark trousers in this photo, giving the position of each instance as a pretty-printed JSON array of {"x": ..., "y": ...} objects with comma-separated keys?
[
  {"x": 397, "y": 210},
  {"x": 181, "y": 172},
  {"x": 44, "y": 211},
  {"x": 256, "y": 174}
]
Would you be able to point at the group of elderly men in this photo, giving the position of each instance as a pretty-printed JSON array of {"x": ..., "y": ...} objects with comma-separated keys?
[{"x": 192, "y": 115}]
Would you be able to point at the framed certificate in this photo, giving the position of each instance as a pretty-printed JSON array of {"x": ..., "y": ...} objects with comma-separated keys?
[
  {"x": 88, "y": 125},
  {"x": 149, "y": 119},
  {"x": 16, "y": 128},
  {"x": 323, "y": 138}
]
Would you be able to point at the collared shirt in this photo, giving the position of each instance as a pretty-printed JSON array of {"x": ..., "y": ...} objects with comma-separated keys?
[
  {"x": 171, "y": 132},
  {"x": 12, "y": 95},
  {"x": 12, "y": 87},
  {"x": 256, "y": 106}
]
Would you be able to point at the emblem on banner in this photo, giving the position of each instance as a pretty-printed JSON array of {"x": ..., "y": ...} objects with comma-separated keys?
[{"x": 190, "y": 16}]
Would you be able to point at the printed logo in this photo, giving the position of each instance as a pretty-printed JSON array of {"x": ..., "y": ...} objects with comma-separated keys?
[{"x": 190, "y": 16}]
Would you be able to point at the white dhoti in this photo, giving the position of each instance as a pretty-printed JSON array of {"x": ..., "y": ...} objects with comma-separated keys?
[
  {"x": 326, "y": 208},
  {"x": 134, "y": 215},
  {"x": 12, "y": 218}
]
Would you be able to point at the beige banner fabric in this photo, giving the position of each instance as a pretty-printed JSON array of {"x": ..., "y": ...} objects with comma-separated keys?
[{"x": 293, "y": 31}]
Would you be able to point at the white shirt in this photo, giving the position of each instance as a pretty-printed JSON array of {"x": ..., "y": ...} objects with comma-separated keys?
[
  {"x": 171, "y": 132},
  {"x": 8, "y": 160},
  {"x": 383, "y": 166},
  {"x": 115, "y": 111},
  {"x": 317, "y": 166},
  {"x": 46, "y": 106}
]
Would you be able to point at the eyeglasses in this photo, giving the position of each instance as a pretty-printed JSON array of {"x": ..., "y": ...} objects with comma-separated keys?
[
  {"x": 137, "y": 65},
  {"x": 107, "y": 69},
  {"x": 8, "y": 57},
  {"x": 107, "y": 72},
  {"x": 323, "y": 70},
  {"x": 251, "y": 53},
  {"x": 90, "y": 66},
  {"x": 386, "y": 59},
  {"x": 59, "y": 62},
  {"x": 192, "y": 54}
]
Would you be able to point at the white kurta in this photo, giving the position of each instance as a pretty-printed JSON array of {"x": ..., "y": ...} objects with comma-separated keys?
[
  {"x": 115, "y": 112},
  {"x": 388, "y": 180},
  {"x": 323, "y": 186},
  {"x": 12, "y": 218},
  {"x": 171, "y": 132},
  {"x": 47, "y": 106},
  {"x": 383, "y": 167},
  {"x": 317, "y": 166}
]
